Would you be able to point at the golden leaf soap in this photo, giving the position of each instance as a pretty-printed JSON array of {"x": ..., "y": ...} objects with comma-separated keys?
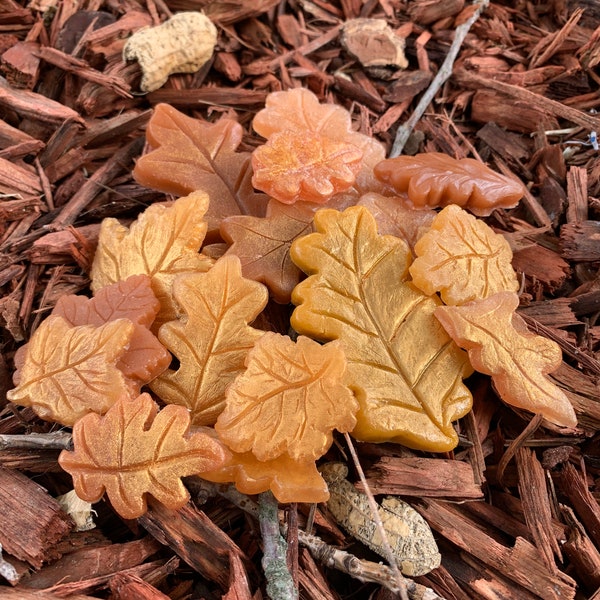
[
  {"x": 499, "y": 344},
  {"x": 68, "y": 372},
  {"x": 162, "y": 243},
  {"x": 304, "y": 166},
  {"x": 288, "y": 400},
  {"x": 463, "y": 259},
  {"x": 436, "y": 179},
  {"x": 134, "y": 450},
  {"x": 299, "y": 110},
  {"x": 211, "y": 339},
  {"x": 263, "y": 244},
  {"x": 145, "y": 357},
  {"x": 405, "y": 370},
  {"x": 191, "y": 155}
]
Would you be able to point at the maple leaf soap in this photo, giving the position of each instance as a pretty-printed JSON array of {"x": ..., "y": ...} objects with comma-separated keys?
[
  {"x": 304, "y": 165},
  {"x": 462, "y": 258}
]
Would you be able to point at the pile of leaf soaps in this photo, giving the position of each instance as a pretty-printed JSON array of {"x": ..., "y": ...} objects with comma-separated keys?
[{"x": 395, "y": 304}]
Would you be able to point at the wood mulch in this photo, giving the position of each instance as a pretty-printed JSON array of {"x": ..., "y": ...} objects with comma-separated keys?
[{"x": 523, "y": 522}]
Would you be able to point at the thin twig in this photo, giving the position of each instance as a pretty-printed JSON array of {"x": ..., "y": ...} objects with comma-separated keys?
[
  {"x": 376, "y": 517},
  {"x": 363, "y": 570},
  {"x": 58, "y": 440},
  {"x": 280, "y": 584},
  {"x": 443, "y": 74}
]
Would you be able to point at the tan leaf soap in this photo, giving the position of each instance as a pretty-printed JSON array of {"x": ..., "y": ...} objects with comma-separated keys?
[
  {"x": 462, "y": 258},
  {"x": 500, "y": 345},
  {"x": 134, "y": 450}
]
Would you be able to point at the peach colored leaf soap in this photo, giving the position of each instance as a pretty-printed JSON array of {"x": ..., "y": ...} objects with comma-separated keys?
[
  {"x": 263, "y": 244},
  {"x": 145, "y": 357},
  {"x": 211, "y": 339},
  {"x": 134, "y": 450},
  {"x": 68, "y": 372},
  {"x": 404, "y": 369},
  {"x": 290, "y": 480},
  {"x": 500, "y": 345},
  {"x": 162, "y": 243},
  {"x": 463, "y": 259},
  {"x": 304, "y": 166},
  {"x": 192, "y": 155},
  {"x": 299, "y": 110},
  {"x": 436, "y": 179},
  {"x": 288, "y": 400}
]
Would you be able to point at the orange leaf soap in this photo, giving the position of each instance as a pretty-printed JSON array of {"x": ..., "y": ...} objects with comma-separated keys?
[
  {"x": 145, "y": 357},
  {"x": 162, "y": 243},
  {"x": 288, "y": 400},
  {"x": 211, "y": 339},
  {"x": 68, "y": 371},
  {"x": 290, "y": 480},
  {"x": 299, "y": 110},
  {"x": 134, "y": 450},
  {"x": 463, "y": 259},
  {"x": 303, "y": 165},
  {"x": 436, "y": 179},
  {"x": 500, "y": 345},
  {"x": 192, "y": 155},
  {"x": 263, "y": 244},
  {"x": 404, "y": 369}
]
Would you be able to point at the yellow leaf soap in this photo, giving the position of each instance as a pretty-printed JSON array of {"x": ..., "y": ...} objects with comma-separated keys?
[{"x": 405, "y": 370}]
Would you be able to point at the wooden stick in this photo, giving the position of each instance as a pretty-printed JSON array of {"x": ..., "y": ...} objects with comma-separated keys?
[{"x": 404, "y": 131}]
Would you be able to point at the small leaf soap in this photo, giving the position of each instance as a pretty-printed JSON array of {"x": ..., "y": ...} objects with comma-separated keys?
[
  {"x": 500, "y": 345},
  {"x": 263, "y": 244},
  {"x": 436, "y": 179},
  {"x": 290, "y": 480},
  {"x": 68, "y": 371},
  {"x": 145, "y": 357},
  {"x": 304, "y": 166},
  {"x": 162, "y": 243},
  {"x": 211, "y": 339},
  {"x": 404, "y": 369},
  {"x": 134, "y": 450},
  {"x": 463, "y": 259},
  {"x": 300, "y": 111},
  {"x": 288, "y": 400}
]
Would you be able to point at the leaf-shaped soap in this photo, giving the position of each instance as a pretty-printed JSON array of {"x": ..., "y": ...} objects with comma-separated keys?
[
  {"x": 145, "y": 357},
  {"x": 288, "y": 400},
  {"x": 263, "y": 244},
  {"x": 212, "y": 339},
  {"x": 500, "y": 345},
  {"x": 290, "y": 480},
  {"x": 299, "y": 110},
  {"x": 193, "y": 155},
  {"x": 304, "y": 166},
  {"x": 405, "y": 370},
  {"x": 462, "y": 258},
  {"x": 134, "y": 450},
  {"x": 395, "y": 217},
  {"x": 69, "y": 371},
  {"x": 436, "y": 179},
  {"x": 162, "y": 243}
]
